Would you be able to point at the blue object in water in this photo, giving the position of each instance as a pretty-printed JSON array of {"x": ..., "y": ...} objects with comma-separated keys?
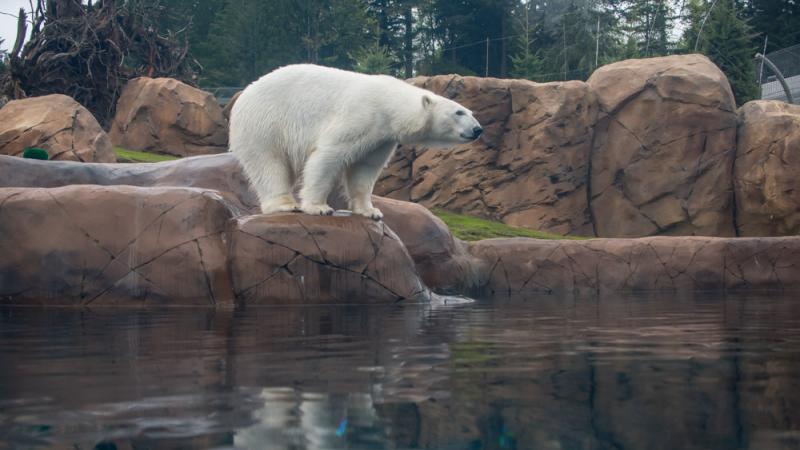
[{"x": 342, "y": 428}]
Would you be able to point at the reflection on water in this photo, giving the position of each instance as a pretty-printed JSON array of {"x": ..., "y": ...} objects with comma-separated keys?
[{"x": 652, "y": 372}]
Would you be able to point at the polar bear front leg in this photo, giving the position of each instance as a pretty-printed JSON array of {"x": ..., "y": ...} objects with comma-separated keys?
[
  {"x": 360, "y": 181},
  {"x": 321, "y": 172}
]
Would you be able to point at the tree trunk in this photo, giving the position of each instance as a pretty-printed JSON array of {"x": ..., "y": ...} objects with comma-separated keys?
[{"x": 408, "y": 42}]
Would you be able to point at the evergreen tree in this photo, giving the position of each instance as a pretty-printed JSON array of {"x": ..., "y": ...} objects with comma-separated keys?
[{"x": 728, "y": 41}]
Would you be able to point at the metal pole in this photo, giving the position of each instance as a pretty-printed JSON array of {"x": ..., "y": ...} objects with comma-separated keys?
[
  {"x": 487, "y": 56},
  {"x": 761, "y": 68},
  {"x": 597, "y": 43},
  {"x": 778, "y": 75},
  {"x": 564, "y": 25}
]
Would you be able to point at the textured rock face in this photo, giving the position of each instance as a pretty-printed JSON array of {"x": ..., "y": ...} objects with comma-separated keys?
[
  {"x": 56, "y": 123},
  {"x": 164, "y": 115},
  {"x": 663, "y": 148},
  {"x": 300, "y": 259},
  {"x": 530, "y": 167},
  {"x": 442, "y": 261},
  {"x": 107, "y": 245},
  {"x": 767, "y": 169},
  {"x": 113, "y": 245},
  {"x": 218, "y": 172},
  {"x": 523, "y": 266}
]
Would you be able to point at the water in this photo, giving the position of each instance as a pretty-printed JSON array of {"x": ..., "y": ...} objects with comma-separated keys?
[{"x": 633, "y": 372}]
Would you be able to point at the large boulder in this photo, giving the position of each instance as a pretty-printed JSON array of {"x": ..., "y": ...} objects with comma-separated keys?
[
  {"x": 56, "y": 123},
  {"x": 530, "y": 167},
  {"x": 301, "y": 259},
  {"x": 164, "y": 115},
  {"x": 767, "y": 169},
  {"x": 100, "y": 245},
  {"x": 663, "y": 149},
  {"x": 125, "y": 245}
]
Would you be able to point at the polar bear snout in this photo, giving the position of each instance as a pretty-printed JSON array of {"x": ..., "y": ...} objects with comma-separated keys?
[{"x": 476, "y": 133}]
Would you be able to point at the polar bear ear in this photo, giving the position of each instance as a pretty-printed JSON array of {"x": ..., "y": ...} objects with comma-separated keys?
[{"x": 426, "y": 101}]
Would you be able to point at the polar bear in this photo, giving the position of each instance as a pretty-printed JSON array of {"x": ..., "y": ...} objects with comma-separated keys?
[{"x": 327, "y": 126}]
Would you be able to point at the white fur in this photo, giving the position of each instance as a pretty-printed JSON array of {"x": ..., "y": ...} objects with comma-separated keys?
[{"x": 327, "y": 125}]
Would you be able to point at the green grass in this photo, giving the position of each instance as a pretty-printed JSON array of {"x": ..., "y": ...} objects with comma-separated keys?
[
  {"x": 474, "y": 229},
  {"x": 124, "y": 155}
]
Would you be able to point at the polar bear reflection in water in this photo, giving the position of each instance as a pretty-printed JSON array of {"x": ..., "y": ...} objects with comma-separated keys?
[{"x": 329, "y": 127}]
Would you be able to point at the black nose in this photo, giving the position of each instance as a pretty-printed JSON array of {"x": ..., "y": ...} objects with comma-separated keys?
[{"x": 477, "y": 132}]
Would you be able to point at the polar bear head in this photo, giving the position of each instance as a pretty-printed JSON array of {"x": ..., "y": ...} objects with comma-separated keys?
[{"x": 448, "y": 123}]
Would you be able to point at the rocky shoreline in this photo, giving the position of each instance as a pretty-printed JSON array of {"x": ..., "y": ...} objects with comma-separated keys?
[{"x": 187, "y": 232}]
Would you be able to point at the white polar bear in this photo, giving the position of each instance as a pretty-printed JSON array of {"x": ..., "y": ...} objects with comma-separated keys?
[{"x": 325, "y": 124}]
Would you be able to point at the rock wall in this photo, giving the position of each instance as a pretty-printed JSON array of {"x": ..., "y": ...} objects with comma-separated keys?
[
  {"x": 530, "y": 168},
  {"x": 767, "y": 169},
  {"x": 645, "y": 147}
]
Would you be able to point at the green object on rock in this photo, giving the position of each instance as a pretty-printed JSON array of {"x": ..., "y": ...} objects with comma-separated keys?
[
  {"x": 474, "y": 229},
  {"x": 35, "y": 153}
]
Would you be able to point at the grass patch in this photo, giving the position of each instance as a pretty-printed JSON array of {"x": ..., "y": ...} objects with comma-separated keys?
[
  {"x": 474, "y": 229},
  {"x": 124, "y": 155}
]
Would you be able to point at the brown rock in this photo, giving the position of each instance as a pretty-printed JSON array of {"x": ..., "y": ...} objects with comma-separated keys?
[
  {"x": 522, "y": 266},
  {"x": 56, "y": 123},
  {"x": 164, "y": 115},
  {"x": 218, "y": 172},
  {"x": 530, "y": 168},
  {"x": 113, "y": 245},
  {"x": 767, "y": 169},
  {"x": 663, "y": 148},
  {"x": 301, "y": 259},
  {"x": 107, "y": 245},
  {"x": 442, "y": 261},
  {"x": 226, "y": 111}
]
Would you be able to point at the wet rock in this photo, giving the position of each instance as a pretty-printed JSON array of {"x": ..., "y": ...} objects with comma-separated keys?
[
  {"x": 521, "y": 266},
  {"x": 56, "y": 123},
  {"x": 125, "y": 245},
  {"x": 301, "y": 259},
  {"x": 530, "y": 167},
  {"x": 663, "y": 149},
  {"x": 110, "y": 245},
  {"x": 442, "y": 261},
  {"x": 164, "y": 115},
  {"x": 767, "y": 169}
]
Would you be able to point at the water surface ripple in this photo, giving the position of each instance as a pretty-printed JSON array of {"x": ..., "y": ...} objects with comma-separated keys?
[{"x": 626, "y": 372}]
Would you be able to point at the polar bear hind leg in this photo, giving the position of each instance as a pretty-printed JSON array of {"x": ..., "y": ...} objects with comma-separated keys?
[{"x": 272, "y": 178}]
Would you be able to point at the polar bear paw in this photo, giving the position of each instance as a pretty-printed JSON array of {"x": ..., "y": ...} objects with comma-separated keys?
[
  {"x": 371, "y": 212},
  {"x": 279, "y": 206},
  {"x": 317, "y": 209}
]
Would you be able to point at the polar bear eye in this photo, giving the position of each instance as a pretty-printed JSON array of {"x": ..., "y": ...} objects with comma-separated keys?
[{"x": 460, "y": 113}]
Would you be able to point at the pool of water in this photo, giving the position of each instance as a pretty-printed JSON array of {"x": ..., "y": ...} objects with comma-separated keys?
[{"x": 627, "y": 372}]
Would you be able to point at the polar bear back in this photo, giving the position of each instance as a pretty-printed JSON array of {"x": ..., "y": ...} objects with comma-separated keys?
[{"x": 294, "y": 108}]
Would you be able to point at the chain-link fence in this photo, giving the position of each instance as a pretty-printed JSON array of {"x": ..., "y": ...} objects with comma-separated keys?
[{"x": 787, "y": 60}]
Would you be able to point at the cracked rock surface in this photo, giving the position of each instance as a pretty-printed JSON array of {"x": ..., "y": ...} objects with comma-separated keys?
[
  {"x": 56, "y": 123},
  {"x": 767, "y": 169},
  {"x": 663, "y": 149},
  {"x": 164, "y": 115},
  {"x": 125, "y": 245},
  {"x": 530, "y": 167},
  {"x": 521, "y": 266}
]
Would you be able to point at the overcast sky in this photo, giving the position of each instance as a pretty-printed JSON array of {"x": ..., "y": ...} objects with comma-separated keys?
[{"x": 8, "y": 24}]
